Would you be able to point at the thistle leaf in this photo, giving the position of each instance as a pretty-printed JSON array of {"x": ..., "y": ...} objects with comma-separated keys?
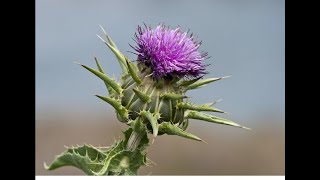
[
  {"x": 186, "y": 105},
  {"x": 153, "y": 121},
  {"x": 170, "y": 129},
  {"x": 141, "y": 95},
  {"x": 120, "y": 161},
  {"x": 114, "y": 161},
  {"x": 105, "y": 78},
  {"x": 123, "y": 112},
  {"x": 209, "y": 118},
  {"x": 87, "y": 158},
  {"x": 110, "y": 89},
  {"x": 203, "y": 82},
  {"x": 133, "y": 72},
  {"x": 173, "y": 96},
  {"x": 114, "y": 153}
]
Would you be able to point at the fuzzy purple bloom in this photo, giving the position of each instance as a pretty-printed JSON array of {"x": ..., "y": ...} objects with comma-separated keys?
[{"x": 169, "y": 52}]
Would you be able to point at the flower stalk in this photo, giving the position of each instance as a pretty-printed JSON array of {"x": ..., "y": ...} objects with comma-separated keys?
[{"x": 134, "y": 141}]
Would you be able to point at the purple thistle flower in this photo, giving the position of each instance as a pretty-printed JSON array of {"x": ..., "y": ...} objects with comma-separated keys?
[{"x": 169, "y": 52}]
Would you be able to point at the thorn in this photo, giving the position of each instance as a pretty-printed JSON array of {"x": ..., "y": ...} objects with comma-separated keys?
[
  {"x": 246, "y": 128},
  {"x": 45, "y": 165},
  {"x": 152, "y": 161},
  {"x": 204, "y": 141},
  {"x": 217, "y": 101},
  {"x": 102, "y": 29},
  {"x": 101, "y": 39},
  {"x": 225, "y": 77},
  {"x": 77, "y": 63},
  {"x": 149, "y": 74}
]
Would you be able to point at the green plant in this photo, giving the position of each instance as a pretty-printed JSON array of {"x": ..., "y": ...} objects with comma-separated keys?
[{"x": 150, "y": 98}]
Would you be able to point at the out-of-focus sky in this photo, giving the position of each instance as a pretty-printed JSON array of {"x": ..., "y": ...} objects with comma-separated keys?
[{"x": 245, "y": 39}]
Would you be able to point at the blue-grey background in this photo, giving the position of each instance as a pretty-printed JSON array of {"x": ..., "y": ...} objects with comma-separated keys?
[{"x": 245, "y": 39}]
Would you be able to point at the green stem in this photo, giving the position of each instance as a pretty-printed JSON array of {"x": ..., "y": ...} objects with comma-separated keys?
[{"x": 134, "y": 141}]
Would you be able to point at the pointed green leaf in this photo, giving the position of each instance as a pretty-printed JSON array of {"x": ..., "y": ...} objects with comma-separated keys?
[
  {"x": 105, "y": 78},
  {"x": 133, "y": 72},
  {"x": 183, "y": 82},
  {"x": 123, "y": 112},
  {"x": 168, "y": 128},
  {"x": 141, "y": 95},
  {"x": 186, "y": 105},
  {"x": 87, "y": 158},
  {"x": 153, "y": 121},
  {"x": 173, "y": 96},
  {"x": 110, "y": 89},
  {"x": 209, "y": 118},
  {"x": 120, "y": 57},
  {"x": 203, "y": 82},
  {"x": 108, "y": 38},
  {"x": 137, "y": 125}
]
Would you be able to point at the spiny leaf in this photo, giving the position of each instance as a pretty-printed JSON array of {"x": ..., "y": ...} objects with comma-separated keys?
[
  {"x": 117, "y": 105},
  {"x": 120, "y": 161},
  {"x": 105, "y": 78},
  {"x": 186, "y": 105},
  {"x": 141, "y": 95},
  {"x": 117, "y": 148},
  {"x": 209, "y": 118},
  {"x": 173, "y": 96},
  {"x": 168, "y": 128},
  {"x": 183, "y": 82},
  {"x": 133, "y": 72},
  {"x": 115, "y": 161},
  {"x": 203, "y": 82},
  {"x": 119, "y": 56},
  {"x": 153, "y": 121},
  {"x": 87, "y": 158},
  {"x": 110, "y": 89},
  {"x": 108, "y": 38},
  {"x": 137, "y": 125}
]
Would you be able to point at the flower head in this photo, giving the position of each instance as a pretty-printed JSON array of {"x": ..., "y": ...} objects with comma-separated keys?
[{"x": 169, "y": 52}]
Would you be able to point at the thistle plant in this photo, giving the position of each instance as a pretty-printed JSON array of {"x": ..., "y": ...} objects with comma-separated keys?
[{"x": 150, "y": 98}]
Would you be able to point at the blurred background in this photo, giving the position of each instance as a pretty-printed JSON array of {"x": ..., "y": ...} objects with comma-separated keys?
[{"x": 245, "y": 39}]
